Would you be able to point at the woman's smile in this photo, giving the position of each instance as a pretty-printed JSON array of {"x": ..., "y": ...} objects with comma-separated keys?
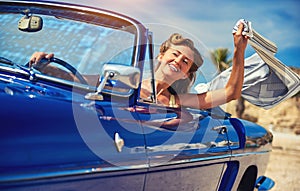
[{"x": 174, "y": 68}]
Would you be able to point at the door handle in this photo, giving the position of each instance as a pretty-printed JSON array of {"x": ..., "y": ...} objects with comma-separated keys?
[
  {"x": 119, "y": 142},
  {"x": 222, "y": 129}
]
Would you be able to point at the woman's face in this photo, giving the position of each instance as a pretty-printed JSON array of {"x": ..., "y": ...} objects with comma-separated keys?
[{"x": 176, "y": 61}]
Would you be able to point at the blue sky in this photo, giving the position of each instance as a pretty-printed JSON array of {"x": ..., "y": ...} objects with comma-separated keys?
[{"x": 211, "y": 21}]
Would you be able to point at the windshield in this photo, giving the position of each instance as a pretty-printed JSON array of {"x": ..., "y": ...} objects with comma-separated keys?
[{"x": 84, "y": 46}]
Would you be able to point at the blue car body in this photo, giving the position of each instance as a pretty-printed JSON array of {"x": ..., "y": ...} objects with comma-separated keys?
[{"x": 58, "y": 134}]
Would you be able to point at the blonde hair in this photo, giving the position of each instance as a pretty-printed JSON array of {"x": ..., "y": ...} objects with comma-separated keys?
[{"x": 183, "y": 85}]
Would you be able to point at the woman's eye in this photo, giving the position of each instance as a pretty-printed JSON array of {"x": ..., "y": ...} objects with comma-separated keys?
[{"x": 175, "y": 53}]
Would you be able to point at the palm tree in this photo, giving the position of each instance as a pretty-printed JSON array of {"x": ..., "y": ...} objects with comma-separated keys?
[{"x": 221, "y": 61}]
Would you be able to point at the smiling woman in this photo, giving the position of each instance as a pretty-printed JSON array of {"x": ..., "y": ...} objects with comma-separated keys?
[
  {"x": 175, "y": 71},
  {"x": 178, "y": 61}
]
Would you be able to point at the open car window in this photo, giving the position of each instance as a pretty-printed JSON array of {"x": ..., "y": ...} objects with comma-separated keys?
[{"x": 204, "y": 74}]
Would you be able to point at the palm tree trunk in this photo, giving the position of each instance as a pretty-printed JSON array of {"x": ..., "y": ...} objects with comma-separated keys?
[{"x": 240, "y": 107}]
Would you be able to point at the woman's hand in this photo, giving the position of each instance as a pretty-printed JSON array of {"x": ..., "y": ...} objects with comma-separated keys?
[
  {"x": 49, "y": 70},
  {"x": 38, "y": 56},
  {"x": 240, "y": 41}
]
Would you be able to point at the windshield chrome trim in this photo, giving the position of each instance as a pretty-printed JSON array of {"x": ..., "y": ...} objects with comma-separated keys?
[
  {"x": 13, "y": 70},
  {"x": 48, "y": 78}
]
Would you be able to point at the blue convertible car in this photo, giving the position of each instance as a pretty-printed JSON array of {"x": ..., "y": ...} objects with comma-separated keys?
[{"x": 58, "y": 133}]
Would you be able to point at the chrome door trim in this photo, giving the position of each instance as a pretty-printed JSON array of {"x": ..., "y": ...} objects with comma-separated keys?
[
  {"x": 66, "y": 173},
  {"x": 192, "y": 160}
]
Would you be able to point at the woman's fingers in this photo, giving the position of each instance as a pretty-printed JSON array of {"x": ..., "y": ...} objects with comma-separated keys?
[
  {"x": 240, "y": 40},
  {"x": 48, "y": 56},
  {"x": 240, "y": 29},
  {"x": 38, "y": 56}
]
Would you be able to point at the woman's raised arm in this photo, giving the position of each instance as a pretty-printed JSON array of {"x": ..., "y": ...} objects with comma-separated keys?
[{"x": 234, "y": 85}]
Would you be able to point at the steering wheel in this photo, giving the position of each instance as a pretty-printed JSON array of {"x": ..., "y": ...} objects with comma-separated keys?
[{"x": 66, "y": 65}]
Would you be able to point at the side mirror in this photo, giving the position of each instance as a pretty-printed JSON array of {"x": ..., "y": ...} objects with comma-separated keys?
[{"x": 128, "y": 75}]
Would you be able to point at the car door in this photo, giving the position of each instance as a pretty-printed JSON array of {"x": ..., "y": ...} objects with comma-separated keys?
[
  {"x": 117, "y": 138},
  {"x": 191, "y": 155},
  {"x": 69, "y": 144}
]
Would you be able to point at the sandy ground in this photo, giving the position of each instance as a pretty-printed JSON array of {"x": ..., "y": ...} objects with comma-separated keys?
[{"x": 284, "y": 163}]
